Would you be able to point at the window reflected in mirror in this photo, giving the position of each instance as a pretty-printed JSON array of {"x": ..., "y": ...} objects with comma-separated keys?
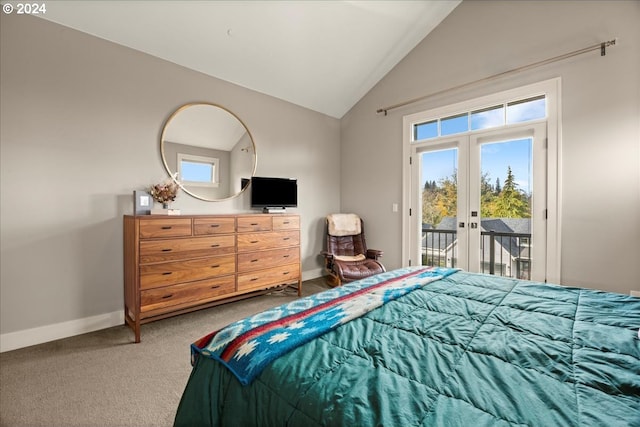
[{"x": 209, "y": 150}]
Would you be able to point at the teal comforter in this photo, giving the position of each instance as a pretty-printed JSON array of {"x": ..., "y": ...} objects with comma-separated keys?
[{"x": 465, "y": 350}]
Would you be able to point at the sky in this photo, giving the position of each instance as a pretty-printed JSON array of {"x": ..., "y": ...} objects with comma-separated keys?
[{"x": 495, "y": 158}]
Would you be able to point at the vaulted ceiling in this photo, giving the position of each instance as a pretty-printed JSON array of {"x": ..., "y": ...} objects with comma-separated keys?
[{"x": 322, "y": 55}]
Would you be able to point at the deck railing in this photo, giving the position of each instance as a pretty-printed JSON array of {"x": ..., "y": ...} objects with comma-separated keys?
[
  {"x": 503, "y": 254},
  {"x": 439, "y": 248},
  {"x": 507, "y": 253}
]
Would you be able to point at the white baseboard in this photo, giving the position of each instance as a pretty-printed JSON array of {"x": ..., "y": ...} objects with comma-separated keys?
[
  {"x": 29, "y": 337},
  {"x": 312, "y": 274}
]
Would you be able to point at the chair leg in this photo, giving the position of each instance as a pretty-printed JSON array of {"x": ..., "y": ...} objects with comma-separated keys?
[{"x": 333, "y": 280}]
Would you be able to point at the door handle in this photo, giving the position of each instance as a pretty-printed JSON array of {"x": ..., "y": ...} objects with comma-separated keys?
[{"x": 473, "y": 224}]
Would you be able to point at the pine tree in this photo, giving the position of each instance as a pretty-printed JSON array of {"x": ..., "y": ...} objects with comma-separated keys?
[{"x": 511, "y": 202}]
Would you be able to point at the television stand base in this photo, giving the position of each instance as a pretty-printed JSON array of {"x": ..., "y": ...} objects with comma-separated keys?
[{"x": 272, "y": 210}]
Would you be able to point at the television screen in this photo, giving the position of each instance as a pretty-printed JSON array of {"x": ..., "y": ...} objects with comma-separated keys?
[{"x": 274, "y": 192}]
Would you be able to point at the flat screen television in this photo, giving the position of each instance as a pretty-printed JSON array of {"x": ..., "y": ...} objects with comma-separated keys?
[{"x": 274, "y": 193}]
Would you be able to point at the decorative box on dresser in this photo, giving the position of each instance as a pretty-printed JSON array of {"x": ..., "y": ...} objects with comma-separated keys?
[{"x": 178, "y": 264}]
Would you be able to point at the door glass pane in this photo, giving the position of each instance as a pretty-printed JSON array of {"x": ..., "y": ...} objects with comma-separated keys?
[
  {"x": 505, "y": 208},
  {"x": 439, "y": 207}
]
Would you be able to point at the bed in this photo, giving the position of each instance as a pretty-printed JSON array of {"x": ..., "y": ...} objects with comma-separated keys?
[{"x": 425, "y": 347}]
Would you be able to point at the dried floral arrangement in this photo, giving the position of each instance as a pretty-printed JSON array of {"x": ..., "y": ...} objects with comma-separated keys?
[{"x": 165, "y": 192}]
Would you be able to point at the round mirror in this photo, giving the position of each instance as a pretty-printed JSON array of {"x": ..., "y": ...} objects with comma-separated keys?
[{"x": 208, "y": 151}]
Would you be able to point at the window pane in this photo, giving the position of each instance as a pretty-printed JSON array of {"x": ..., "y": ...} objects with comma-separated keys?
[
  {"x": 425, "y": 130},
  {"x": 454, "y": 124},
  {"x": 487, "y": 117},
  {"x": 439, "y": 178},
  {"x": 527, "y": 109},
  {"x": 196, "y": 172}
]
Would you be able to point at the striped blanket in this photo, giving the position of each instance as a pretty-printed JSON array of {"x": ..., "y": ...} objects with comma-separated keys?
[{"x": 245, "y": 347}]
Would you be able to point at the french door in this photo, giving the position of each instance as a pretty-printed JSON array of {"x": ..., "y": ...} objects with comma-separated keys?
[{"x": 479, "y": 201}]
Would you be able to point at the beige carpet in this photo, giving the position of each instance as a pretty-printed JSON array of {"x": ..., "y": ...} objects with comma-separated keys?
[{"x": 104, "y": 379}]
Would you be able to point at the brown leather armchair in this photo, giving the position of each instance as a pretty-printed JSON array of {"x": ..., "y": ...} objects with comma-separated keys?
[{"x": 347, "y": 257}]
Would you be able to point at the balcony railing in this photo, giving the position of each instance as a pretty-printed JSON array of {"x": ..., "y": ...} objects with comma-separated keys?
[
  {"x": 439, "y": 247},
  {"x": 501, "y": 253}
]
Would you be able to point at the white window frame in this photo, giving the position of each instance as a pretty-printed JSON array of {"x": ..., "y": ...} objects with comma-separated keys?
[
  {"x": 214, "y": 162},
  {"x": 552, "y": 90}
]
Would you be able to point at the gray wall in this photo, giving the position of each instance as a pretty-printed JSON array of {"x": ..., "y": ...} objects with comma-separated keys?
[
  {"x": 80, "y": 127},
  {"x": 81, "y": 120},
  {"x": 600, "y": 158}
]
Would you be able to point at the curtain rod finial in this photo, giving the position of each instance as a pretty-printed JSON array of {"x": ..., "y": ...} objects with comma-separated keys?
[{"x": 604, "y": 45}]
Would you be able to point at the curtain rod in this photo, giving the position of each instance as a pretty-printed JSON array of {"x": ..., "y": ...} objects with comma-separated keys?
[{"x": 603, "y": 51}]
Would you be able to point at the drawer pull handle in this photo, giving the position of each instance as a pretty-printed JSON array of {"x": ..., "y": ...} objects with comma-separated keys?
[
  {"x": 215, "y": 287},
  {"x": 253, "y": 279},
  {"x": 215, "y": 225},
  {"x": 215, "y": 266},
  {"x": 284, "y": 273},
  {"x": 167, "y": 227},
  {"x": 166, "y": 273},
  {"x": 286, "y": 256},
  {"x": 167, "y": 250},
  {"x": 254, "y": 241},
  {"x": 167, "y": 296},
  {"x": 286, "y": 222},
  {"x": 286, "y": 238},
  {"x": 215, "y": 246},
  {"x": 254, "y": 260}
]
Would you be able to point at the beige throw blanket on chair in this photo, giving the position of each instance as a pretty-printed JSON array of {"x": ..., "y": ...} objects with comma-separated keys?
[{"x": 344, "y": 224}]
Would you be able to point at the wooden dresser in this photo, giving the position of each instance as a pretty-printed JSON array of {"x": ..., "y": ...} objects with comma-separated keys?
[{"x": 178, "y": 264}]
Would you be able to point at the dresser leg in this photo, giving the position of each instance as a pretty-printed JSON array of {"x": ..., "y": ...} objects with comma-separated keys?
[{"x": 136, "y": 330}]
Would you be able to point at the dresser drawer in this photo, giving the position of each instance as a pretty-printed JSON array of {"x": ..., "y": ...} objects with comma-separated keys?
[
  {"x": 256, "y": 241},
  {"x": 202, "y": 226},
  {"x": 286, "y": 222},
  {"x": 169, "y": 227},
  {"x": 186, "y": 293},
  {"x": 254, "y": 223},
  {"x": 265, "y": 259},
  {"x": 270, "y": 277},
  {"x": 169, "y": 273},
  {"x": 174, "y": 249}
]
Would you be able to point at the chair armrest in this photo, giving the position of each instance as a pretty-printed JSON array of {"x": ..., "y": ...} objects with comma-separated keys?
[
  {"x": 374, "y": 253},
  {"x": 326, "y": 254}
]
